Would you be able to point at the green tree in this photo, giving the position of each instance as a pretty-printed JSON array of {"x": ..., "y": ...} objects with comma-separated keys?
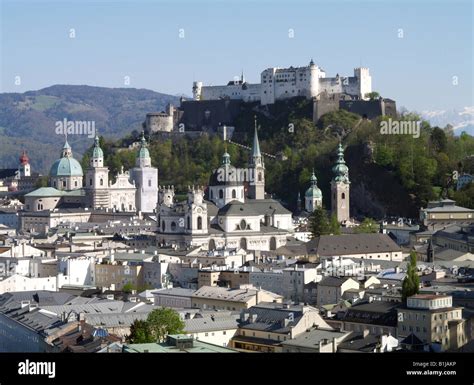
[
  {"x": 162, "y": 322},
  {"x": 334, "y": 225},
  {"x": 372, "y": 95},
  {"x": 368, "y": 225},
  {"x": 411, "y": 283},
  {"x": 128, "y": 287},
  {"x": 318, "y": 222},
  {"x": 139, "y": 333}
]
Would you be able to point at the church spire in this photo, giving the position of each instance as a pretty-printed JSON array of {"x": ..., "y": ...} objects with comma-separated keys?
[
  {"x": 340, "y": 170},
  {"x": 256, "y": 154}
]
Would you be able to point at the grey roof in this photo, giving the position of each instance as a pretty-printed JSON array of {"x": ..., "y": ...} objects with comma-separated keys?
[
  {"x": 332, "y": 281},
  {"x": 272, "y": 319},
  {"x": 236, "y": 208},
  {"x": 235, "y": 295},
  {"x": 312, "y": 338},
  {"x": 41, "y": 297},
  {"x": 175, "y": 291},
  {"x": 115, "y": 319},
  {"x": 382, "y": 313},
  {"x": 211, "y": 323},
  {"x": 351, "y": 244},
  {"x": 356, "y": 341}
]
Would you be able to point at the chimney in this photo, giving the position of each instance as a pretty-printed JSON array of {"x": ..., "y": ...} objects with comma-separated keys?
[{"x": 244, "y": 316}]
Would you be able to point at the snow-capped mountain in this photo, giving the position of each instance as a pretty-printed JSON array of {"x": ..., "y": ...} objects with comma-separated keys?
[{"x": 461, "y": 120}]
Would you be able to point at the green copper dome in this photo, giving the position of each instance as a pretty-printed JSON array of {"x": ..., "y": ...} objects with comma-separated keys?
[
  {"x": 340, "y": 170},
  {"x": 313, "y": 191},
  {"x": 66, "y": 165},
  {"x": 143, "y": 153},
  {"x": 97, "y": 152}
]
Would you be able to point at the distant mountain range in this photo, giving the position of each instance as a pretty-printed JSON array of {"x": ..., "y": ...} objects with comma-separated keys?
[
  {"x": 461, "y": 120},
  {"x": 28, "y": 120}
]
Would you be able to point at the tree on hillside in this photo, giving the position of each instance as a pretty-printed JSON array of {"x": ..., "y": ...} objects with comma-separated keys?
[
  {"x": 162, "y": 322},
  {"x": 411, "y": 283},
  {"x": 438, "y": 140},
  {"x": 368, "y": 225}
]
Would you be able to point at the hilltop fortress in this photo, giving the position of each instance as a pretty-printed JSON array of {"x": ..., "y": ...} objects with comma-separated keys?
[
  {"x": 215, "y": 106},
  {"x": 283, "y": 83}
]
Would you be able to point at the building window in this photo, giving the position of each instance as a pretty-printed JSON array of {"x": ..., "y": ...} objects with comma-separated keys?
[
  {"x": 234, "y": 194},
  {"x": 149, "y": 182},
  {"x": 199, "y": 223},
  {"x": 221, "y": 194}
]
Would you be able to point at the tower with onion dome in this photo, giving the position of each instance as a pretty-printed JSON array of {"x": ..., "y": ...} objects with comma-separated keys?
[
  {"x": 25, "y": 169},
  {"x": 145, "y": 178},
  {"x": 313, "y": 197},
  {"x": 340, "y": 188},
  {"x": 97, "y": 179}
]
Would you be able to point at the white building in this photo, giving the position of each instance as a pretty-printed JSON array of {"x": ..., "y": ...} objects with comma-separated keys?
[
  {"x": 283, "y": 83},
  {"x": 17, "y": 282}
]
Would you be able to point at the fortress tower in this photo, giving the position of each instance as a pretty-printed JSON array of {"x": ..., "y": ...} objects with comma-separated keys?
[{"x": 364, "y": 81}]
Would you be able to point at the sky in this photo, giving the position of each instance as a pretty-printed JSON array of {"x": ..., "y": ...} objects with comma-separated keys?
[{"x": 419, "y": 52}]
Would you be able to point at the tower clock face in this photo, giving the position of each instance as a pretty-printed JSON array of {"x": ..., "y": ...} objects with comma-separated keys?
[{"x": 199, "y": 211}]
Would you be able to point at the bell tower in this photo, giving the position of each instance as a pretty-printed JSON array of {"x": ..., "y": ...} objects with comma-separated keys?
[
  {"x": 340, "y": 188},
  {"x": 257, "y": 169},
  {"x": 97, "y": 179}
]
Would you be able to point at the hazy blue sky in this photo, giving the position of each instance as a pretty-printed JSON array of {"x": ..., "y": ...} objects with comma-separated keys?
[{"x": 140, "y": 39}]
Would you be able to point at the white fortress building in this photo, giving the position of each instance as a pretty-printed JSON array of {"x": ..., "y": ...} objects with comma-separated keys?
[{"x": 284, "y": 83}]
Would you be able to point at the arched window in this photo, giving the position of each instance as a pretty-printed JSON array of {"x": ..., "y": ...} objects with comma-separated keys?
[
  {"x": 221, "y": 193},
  {"x": 149, "y": 182},
  {"x": 101, "y": 182},
  {"x": 199, "y": 220},
  {"x": 343, "y": 196},
  {"x": 90, "y": 182},
  {"x": 163, "y": 226},
  {"x": 234, "y": 194},
  {"x": 173, "y": 226},
  {"x": 259, "y": 176},
  {"x": 75, "y": 183}
]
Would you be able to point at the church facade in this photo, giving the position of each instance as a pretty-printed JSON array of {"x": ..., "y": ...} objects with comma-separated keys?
[
  {"x": 69, "y": 187},
  {"x": 234, "y": 212}
]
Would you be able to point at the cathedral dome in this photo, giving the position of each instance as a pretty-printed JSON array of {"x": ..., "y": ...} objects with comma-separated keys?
[
  {"x": 66, "y": 165},
  {"x": 226, "y": 174}
]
